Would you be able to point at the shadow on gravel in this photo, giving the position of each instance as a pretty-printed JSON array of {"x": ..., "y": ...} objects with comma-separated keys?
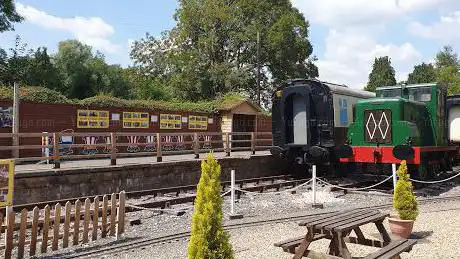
[
  {"x": 76, "y": 250},
  {"x": 421, "y": 236}
]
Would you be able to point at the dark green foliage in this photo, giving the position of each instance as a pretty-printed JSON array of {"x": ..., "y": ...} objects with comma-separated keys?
[
  {"x": 45, "y": 95},
  {"x": 208, "y": 239},
  {"x": 8, "y": 15},
  {"x": 404, "y": 200},
  {"x": 107, "y": 101},
  {"x": 34, "y": 94},
  {"x": 382, "y": 74},
  {"x": 213, "y": 48},
  {"x": 423, "y": 73},
  {"x": 447, "y": 67}
]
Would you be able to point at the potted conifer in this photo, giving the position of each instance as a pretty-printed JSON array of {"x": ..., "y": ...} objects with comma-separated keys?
[{"x": 405, "y": 203}]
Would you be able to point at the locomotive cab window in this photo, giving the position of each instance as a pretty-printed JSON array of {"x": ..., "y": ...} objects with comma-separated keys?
[{"x": 422, "y": 94}]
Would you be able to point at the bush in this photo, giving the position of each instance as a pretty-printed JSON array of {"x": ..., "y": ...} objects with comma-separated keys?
[
  {"x": 208, "y": 239},
  {"x": 405, "y": 202}
]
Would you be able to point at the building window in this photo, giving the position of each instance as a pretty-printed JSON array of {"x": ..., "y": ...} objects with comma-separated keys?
[
  {"x": 92, "y": 119},
  {"x": 170, "y": 121},
  {"x": 136, "y": 120},
  {"x": 198, "y": 122}
]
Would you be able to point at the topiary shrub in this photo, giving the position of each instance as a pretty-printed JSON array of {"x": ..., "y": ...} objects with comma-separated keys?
[
  {"x": 208, "y": 239},
  {"x": 404, "y": 200}
]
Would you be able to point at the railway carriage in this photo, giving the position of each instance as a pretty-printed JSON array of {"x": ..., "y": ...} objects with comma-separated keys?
[
  {"x": 404, "y": 122},
  {"x": 453, "y": 109},
  {"x": 310, "y": 118}
]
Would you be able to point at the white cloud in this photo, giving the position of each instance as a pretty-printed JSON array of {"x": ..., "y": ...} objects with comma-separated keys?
[
  {"x": 337, "y": 13},
  {"x": 93, "y": 31},
  {"x": 350, "y": 54},
  {"x": 444, "y": 30},
  {"x": 353, "y": 43}
]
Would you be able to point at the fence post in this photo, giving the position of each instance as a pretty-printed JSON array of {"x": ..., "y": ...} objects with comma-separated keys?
[
  {"x": 196, "y": 145},
  {"x": 232, "y": 197},
  {"x": 9, "y": 231},
  {"x": 113, "y": 149},
  {"x": 313, "y": 188},
  {"x": 56, "y": 158},
  {"x": 253, "y": 143},
  {"x": 395, "y": 178},
  {"x": 159, "y": 155},
  {"x": 227, "y": 144},
  {"x": 121, "y": 214}
]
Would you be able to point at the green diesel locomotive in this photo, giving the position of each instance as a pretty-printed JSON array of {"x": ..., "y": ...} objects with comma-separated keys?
[{"x": 403, "y": 122}]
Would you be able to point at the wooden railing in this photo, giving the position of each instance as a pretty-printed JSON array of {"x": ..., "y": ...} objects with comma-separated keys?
[
  {"x": 90, "y": 219},
  {"x": 56, "y": 147}
]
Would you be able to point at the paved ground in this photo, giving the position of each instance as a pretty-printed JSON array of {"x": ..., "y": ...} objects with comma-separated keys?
[{"x": 95, "y": 163}]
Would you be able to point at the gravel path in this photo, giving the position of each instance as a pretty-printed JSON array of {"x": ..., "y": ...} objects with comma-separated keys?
[{"x": 257, "y": 242}]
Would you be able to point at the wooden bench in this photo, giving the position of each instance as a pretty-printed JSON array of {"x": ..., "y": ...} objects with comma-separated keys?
[
  {"x": 337, "y": 227},
  {"x": 393, "y": 249}
]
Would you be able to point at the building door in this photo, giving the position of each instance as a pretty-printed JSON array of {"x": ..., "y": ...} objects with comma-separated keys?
[{"x": 243, "y": 123}]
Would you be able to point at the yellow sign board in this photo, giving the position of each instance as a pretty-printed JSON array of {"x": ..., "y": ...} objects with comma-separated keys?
[{"x": 6, "y": 183}]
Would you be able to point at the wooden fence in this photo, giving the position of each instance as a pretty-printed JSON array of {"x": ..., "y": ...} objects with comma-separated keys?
[
  {"x": 90, "y": 219},
  {"x": 60, "y": 146}
]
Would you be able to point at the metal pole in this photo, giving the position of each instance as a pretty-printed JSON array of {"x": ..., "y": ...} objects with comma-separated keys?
[
  {"x": 232, "y": 192},
  {"x": 313, "y": 182},
  {"x": 395, "y": 179},
  {"x": 232, "y": 197},
  {"x": 258, "y": 68},
  {"x": 15, "y": 129},
  {"x": 313, "y": 188}
]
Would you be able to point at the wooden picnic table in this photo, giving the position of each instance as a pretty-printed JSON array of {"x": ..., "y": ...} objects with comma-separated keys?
[{"x": 337, "y": 227}]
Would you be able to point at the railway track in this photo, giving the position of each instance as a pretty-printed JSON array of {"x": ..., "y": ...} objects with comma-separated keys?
[
  {"x": 129, "y": 245},
  {"x": 182, "y": 194}
]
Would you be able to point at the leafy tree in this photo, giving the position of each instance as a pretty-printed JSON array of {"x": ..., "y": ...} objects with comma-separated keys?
[
  {"x": 208, "y": 239},
  {"x": 14, "y": 66},
  {"x": 213, "y": 48},
  {"x": 146, "y": 87},
  {"x": 41, "y": 71},
  {"x": 85, "y": 74},
  {"x": 382, "y": 74},
  {"x": 447, "y": 67},
  {"x": 423, "y": 73},
  {"x": 8, "y": 15}
]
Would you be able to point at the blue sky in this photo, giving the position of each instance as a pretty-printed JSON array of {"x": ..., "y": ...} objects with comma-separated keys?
[{"x": 346, "y": 35}]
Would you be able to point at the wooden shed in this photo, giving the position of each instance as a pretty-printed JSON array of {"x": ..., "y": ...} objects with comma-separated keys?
[{"x": 243, "y": 116}]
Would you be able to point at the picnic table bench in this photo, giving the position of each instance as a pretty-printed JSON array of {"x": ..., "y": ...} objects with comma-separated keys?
[{"x": 337, "y": 227}]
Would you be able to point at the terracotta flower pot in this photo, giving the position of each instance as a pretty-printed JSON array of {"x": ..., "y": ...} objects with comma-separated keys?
[{"x": 400, "y": 227}]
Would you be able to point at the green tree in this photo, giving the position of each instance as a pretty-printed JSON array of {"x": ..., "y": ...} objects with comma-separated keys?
[
  {"x": 423, "y": 73},
  {"x": 382, "y": 74},
  {"x": 85, "y": 74},
  {"x": 404, "y": 200},
  {"x": 146, "y": 87},
  {"x": 8, "y": 15},
  {"x": 447, "y": 68},
  {"x": 208, "y": 239},
  {"x": 14, "y": 66},
  {"x": 213, "y": 48},
  {"x": 41, "y": 71}
]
